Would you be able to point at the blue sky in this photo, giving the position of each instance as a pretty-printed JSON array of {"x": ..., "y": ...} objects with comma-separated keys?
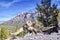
[{"x": 11, "y": 8}]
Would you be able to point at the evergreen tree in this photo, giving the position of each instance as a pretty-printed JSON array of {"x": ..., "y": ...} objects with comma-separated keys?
[{"x": 48, "y": 14}]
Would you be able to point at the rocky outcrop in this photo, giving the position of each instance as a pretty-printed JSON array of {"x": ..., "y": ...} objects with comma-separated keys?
[{"x": 38, "y": 36}]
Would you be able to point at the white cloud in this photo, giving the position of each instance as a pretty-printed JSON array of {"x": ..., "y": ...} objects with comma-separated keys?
[{"x": 4, "y": 4}]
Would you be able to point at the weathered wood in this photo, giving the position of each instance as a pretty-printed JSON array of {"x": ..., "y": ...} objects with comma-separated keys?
[{"x": 46, "y": 28}]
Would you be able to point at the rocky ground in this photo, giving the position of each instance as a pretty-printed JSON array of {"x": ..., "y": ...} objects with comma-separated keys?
[{"x": 38, "y": 36}]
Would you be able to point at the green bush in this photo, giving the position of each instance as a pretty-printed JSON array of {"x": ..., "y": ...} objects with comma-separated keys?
[
  {"x": 17, "y": 27},
  {"x": 4, "y": 33},
  {"x": 14, "y": 28},
  {"x": 0, "y": 34},
  {"x": 21, "y": 34}
]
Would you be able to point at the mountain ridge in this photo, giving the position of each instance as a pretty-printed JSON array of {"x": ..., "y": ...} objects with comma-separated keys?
[{"x": 22, "y": 18}]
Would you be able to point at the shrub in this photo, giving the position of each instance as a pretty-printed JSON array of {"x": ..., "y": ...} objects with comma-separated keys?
[
  {"x": 4, "y": 33},
  {"x": 17, "y": 27},
  {"x": 21, "y": 34},
  {"x": 0, "y": 34}
]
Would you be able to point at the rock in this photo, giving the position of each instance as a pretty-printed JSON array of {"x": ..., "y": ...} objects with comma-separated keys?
[{"x": 40, "y": 36}]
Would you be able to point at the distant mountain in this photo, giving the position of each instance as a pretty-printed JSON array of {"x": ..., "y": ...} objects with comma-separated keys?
[
  {"x": 1, "y": 22},
  {"x": 21, "y": 19}
]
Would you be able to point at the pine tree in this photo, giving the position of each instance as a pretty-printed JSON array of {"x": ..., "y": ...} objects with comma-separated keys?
[{"x": 48, "y": 14}]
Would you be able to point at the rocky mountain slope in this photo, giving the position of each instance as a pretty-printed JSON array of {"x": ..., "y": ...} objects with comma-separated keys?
[{"x": 22, "y": 18}]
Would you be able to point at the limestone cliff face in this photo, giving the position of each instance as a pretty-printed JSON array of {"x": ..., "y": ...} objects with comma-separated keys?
[{"x": 22, "y": 18}]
